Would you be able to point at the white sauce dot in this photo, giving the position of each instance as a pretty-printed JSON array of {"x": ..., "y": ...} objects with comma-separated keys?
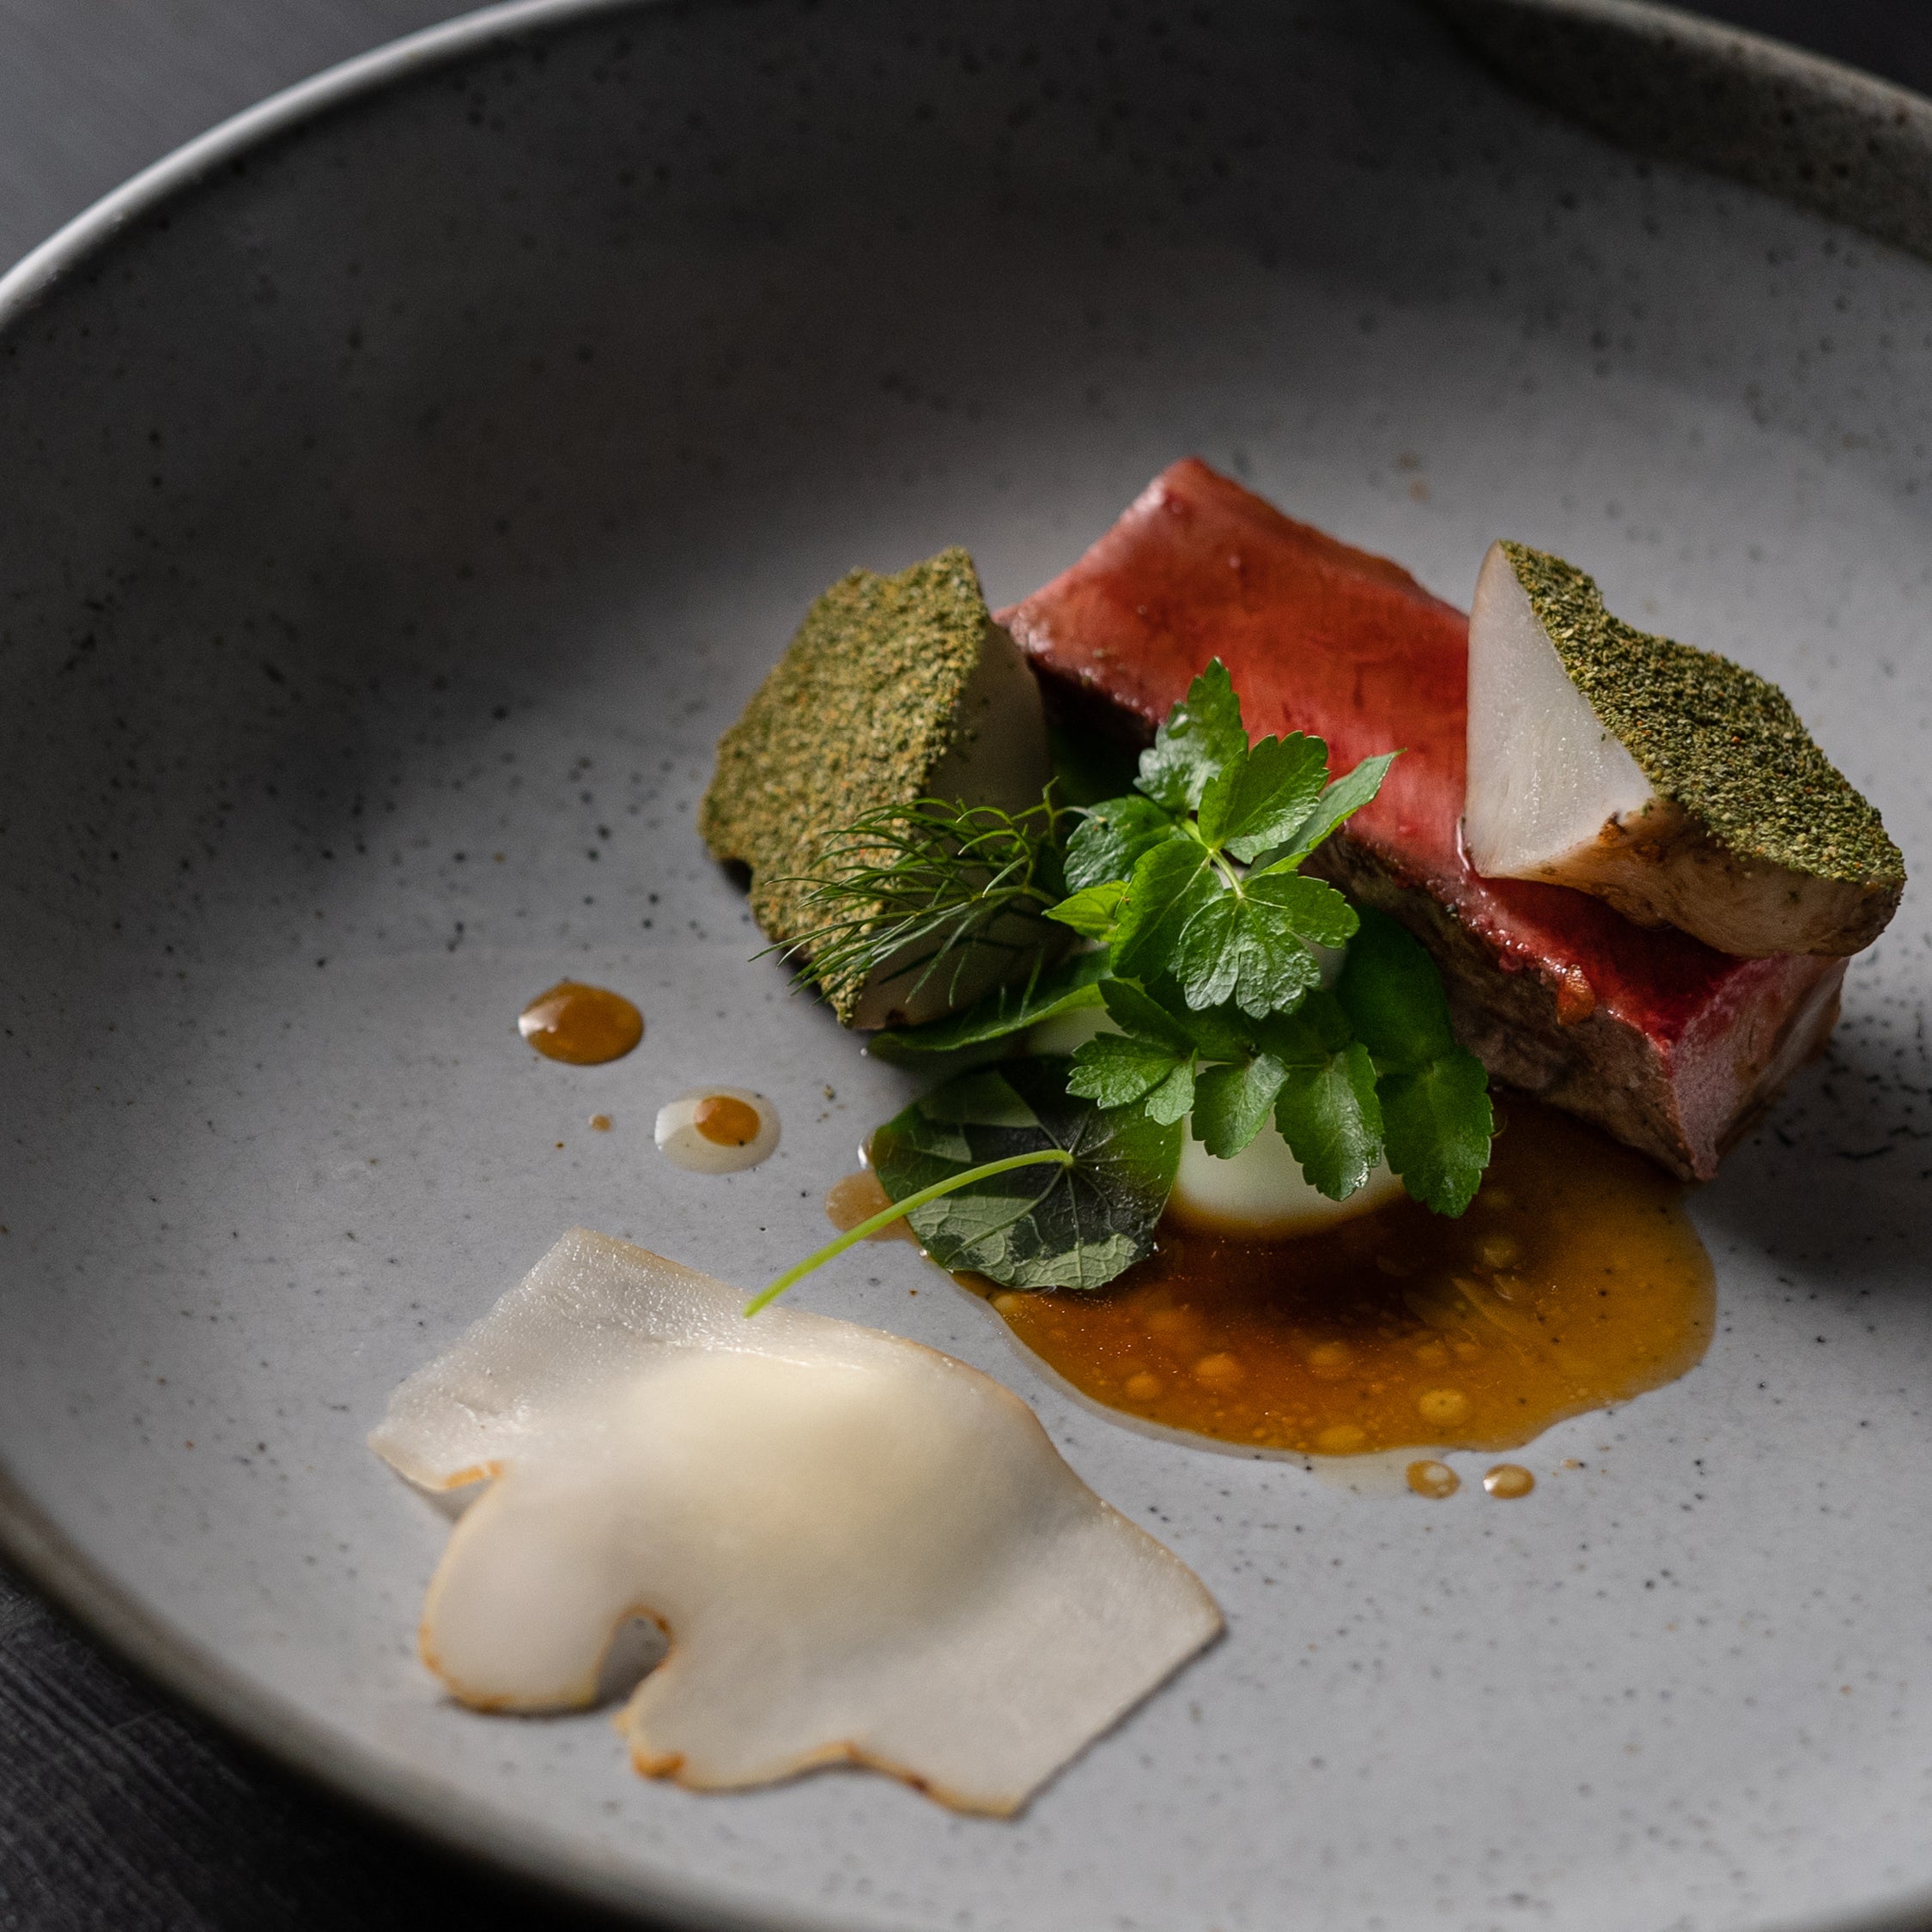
[{"x": 725, "y": 1112}]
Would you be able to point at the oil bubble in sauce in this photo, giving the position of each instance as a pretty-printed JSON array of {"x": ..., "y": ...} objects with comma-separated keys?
[
  {"x": 582, "y": 1025},
  {"x": 1575, "y": 1280},
  {"x": 717, "y": 1130}
]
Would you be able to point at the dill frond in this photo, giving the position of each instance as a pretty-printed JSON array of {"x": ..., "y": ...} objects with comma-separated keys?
[{"x": 910, "y": 892}]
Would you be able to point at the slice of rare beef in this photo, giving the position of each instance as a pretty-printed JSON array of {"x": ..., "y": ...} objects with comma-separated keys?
[{"x": 1668, "y": 1045}]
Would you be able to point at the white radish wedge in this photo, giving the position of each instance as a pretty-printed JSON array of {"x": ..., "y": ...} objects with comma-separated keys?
[{"x": 1669, "y": 781}]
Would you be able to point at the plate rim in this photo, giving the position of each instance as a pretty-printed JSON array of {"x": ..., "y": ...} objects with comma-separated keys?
[{"x": 169, "y": 1658}]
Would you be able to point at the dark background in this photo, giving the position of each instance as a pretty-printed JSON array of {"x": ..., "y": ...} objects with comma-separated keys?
[{"x": 118, "y": 1813}]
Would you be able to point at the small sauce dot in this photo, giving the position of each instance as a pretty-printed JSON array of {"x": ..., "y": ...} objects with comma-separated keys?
[
  {"x": 1435, "y": 1480},
  {"x": 580, "y": 1025},
  {"x": 858, "y": 1198},
  {"x": 1508, "y": 1480},
  {"x": 726, "y": 1122},
  {"x": 1141, "y": 1388},
  {"x": 1340, "y": 1438},
  {"x": 601, "y": 1122}
]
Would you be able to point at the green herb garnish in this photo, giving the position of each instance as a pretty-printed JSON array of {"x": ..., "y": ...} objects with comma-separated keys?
[
  {"x": 1206, "y": 951},
  {"x": 910, "y": 893},
  {"x": 1076, "y": 1226}
]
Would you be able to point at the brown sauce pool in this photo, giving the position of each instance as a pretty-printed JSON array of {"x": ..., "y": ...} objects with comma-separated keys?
[
  {"x": 582, "y": 1025},
  {"x": 1575, "y": 1280}
]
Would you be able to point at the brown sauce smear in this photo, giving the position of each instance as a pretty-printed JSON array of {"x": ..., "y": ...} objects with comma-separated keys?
[
  {"x": 858, "y": 1198},
  {"x": 582, "y": 1025},
  {"x": 1575, "y": 1280}
]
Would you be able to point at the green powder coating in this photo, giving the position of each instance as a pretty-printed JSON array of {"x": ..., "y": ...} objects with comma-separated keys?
[
  {"x": 851, "y": 718},
  {"x": 1713, "y": 737}
]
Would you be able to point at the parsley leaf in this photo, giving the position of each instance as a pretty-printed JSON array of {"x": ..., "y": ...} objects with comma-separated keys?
[
  {"x": 1232, "y": 1103},
  {"x": 1392, "y": 996},
  {"x": 1199, "y": 737},
  {"x": 1329, "y": 1110},
  {"x": 1151, "y": 1060},
  {"x": 1076, "y": 1226},
  {"x": 1111, "y": 837},
  {"x": 1119, "y": 1069},
  {"x": 1170, "y": 885},
  {"x": 1438, "y": 1121},
  {"x": 1094, "y": 910},
  {"x": 1247, "y": 942},
  {"x": 1435, "y": 1095},
  {"x": 1262, "y": 794},
  {"x": 1338, "y": 801}
]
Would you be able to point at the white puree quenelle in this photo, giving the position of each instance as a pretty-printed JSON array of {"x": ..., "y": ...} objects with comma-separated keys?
[
  {"x": 862, "y": 1551},
  {"x": 1261, "y": 1193}
]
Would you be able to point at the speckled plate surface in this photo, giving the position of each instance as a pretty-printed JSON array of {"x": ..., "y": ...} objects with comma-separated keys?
[{"x": 397, "y": 498}]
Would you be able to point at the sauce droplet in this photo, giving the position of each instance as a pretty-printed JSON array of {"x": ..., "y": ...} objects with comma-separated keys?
[
  {"x": 1575, "y": 1281},
  {"x": 717, "y": 1130},
  {"x": 601, "y": 1122},
  {"x": 858, "y": 1198},
  {"x": 581, "y": 1025},
  {"x": 1508, "y": 1480},
  {"x": 725, "y": 1121},
  {"x": 1435, "y": 1480}
]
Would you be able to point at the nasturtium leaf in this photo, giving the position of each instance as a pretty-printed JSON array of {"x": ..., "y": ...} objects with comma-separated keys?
[
  {"x": 1118, "y": 1070},
  {"x": 1199, "y": 735},
  {"x": 985, "y": 1098},
  {"x": 1232, "y": 1102},
  {"x": 1259, "y": 800},
  {"x": 1393, "y": 995},
  {"x": 1111, "y": 836},
  {"x": 1438, "y": 1123},
  {"x": 1074, "y": 983},
  {"x": 1338, "y": 801},
  {"x": 1042, "y": 1227},
  {"x": 1093, "y": 911}
]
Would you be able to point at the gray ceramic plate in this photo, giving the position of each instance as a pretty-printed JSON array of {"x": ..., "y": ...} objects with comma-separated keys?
[{"x": 399, "y": 492}]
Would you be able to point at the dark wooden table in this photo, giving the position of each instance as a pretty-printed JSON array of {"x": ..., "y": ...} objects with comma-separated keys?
[{"x": 119, "y": 1813}]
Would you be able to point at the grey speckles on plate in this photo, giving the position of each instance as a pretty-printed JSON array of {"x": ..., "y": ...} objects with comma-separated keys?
[{"x": 433, "y": 476}]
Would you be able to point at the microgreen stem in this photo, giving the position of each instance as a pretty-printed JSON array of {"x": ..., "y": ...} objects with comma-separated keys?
[{"x": 1043, "y": 1157}]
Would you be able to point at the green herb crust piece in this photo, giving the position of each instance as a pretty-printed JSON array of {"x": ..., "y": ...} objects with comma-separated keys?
[
  {"x": 896, "y": 688},
  {"x": 1714, "y": 738}
]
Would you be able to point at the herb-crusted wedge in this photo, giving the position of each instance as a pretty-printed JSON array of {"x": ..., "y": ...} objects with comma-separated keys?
[
  {"x": 899, "y": 705},
  {"x": 1667, "y": 781}
]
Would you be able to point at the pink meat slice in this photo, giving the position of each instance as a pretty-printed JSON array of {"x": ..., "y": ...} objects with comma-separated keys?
[{"x": 1668, "y": 1045}]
